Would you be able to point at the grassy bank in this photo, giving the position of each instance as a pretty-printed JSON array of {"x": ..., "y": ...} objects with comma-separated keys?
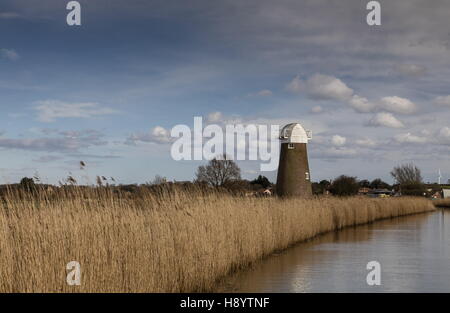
[{"x": 171, "y": 241}]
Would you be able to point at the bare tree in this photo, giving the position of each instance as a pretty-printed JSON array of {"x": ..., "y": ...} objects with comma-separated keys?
[
  {"x": 158, "y": 180},
  {"x": 407, "y": 174},
  {"x": 219, "y": 172}
]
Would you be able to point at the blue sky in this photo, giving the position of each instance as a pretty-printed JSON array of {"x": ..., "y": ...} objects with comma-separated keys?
[{"x": 374, "y": 97}]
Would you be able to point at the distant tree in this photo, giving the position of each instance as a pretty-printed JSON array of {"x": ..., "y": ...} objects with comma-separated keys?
[
  {"x": 316, "y": 188},
  {"x": 219, "y": 172},
  {"x": 344, "y": 186},
  {"x": 158, "y": 180},
  {"x": 27, "y": 183},
  {"x": 325, "y": 183},
  {"x": 364, "y": 183},
  {"x": 321, "y": 187},
  {"x": 379, "y": 184},
  {"x": 261, "y": 180},
  {"x": 238, "y": 186},
  {"x": 407, "y": 174},
  {"x": 409, "y": 178}
]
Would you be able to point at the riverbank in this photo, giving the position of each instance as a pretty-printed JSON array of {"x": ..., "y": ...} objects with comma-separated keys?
[{"x": 170, "y": 241}]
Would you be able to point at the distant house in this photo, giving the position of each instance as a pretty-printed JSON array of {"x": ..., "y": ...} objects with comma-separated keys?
[
  {"x": 380, "y": 193},
  {"x": 436, "y": 195},
  {"x": 363, "y": 191},
  {"x": 446, "y": 193}
]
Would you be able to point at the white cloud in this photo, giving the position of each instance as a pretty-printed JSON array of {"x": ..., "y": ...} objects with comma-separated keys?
[
  {"x": 410, "y": 69},
  {"x": 158, "y": 135},
  {"x": 324, "y": 87},
  {"x": 50, "y": 110},
  {"x": 386, "y": 120},
  {"x": 337, "y": 140},
  {"x": 409, "y": 138},
  {"x": 317, "y": 109},
  {"x": 361, "y": 104},
  {"x": 328, "y": 88},
  {"x": 366, "y": 142},
  {"x": 334, "y": 153},
  {"x": 444, "y": 133},
  {"x": 398, "y": 105},
  {"x": 9, "y": 54},
  {"x": 296, "y": 85},
  {"x": 214, "y": 117},
  {"x": 442, "y": 100},
  {"x": 61, "y": 141}
]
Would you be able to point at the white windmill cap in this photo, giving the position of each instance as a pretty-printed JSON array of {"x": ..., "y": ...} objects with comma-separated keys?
[{"x": 295, "y": 133}]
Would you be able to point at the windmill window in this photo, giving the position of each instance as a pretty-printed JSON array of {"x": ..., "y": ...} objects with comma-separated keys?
[
  {"x": 307, "y": 175},
  {"x": 290, "y": 146}
]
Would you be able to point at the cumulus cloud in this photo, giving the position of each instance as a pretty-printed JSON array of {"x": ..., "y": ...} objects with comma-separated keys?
[
  {"x": 324, "y": 87},
  {"x": 442, "y": 100},
  {"x": 214, "y": 117},
  {"x": 409, "y": 138},
  {"x": 410, "y": 69},
  {"x": 444, "y": 133},
  {"x": 327, "y": 88},
  {"x": 386, "y": 120},
  {"x": 295, "y": 85},
  {"x": 158, "y": 135},
  {"x": 61, "y": 141},
  {"x": 9, "y": 54},
  {"x": 366, "y": 142},
  {"x": 361, "y": 104},
  {"x": 337, "y": 140},
  {"x": 50, "y": 110},
  {"x": 398, "y": 105},
  {"x": 317, "y": 109}
]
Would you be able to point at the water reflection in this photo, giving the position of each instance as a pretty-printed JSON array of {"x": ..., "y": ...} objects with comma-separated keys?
[{"x": 414, "y": 253}]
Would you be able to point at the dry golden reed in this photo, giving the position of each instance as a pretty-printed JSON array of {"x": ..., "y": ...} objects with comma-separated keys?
[
  {"x": 169, "y": 241},
  {"x": 442, "y": 203}
]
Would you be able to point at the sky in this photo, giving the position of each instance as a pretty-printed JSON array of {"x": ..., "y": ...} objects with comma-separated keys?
[{"x": 109, "y": 91}]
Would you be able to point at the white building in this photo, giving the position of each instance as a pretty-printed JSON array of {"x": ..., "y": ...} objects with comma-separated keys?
[{"x": 446, "y": 193}]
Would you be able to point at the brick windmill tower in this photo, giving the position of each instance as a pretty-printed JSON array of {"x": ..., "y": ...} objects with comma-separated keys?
[{"x": 293, "y": 177}]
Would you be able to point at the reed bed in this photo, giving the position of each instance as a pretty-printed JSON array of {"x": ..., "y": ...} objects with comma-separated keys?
[
  {"x": 167, "y": 241},
  {"x": 442, "y": 203}
]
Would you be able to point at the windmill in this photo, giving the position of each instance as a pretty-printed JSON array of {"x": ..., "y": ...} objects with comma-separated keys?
[
  {"x": 439, "y": 176},
  {"x": 293, "y": 178}
]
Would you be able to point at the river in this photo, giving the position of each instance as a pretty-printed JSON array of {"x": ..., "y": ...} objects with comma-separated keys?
[{"x": 413, "y": 252}]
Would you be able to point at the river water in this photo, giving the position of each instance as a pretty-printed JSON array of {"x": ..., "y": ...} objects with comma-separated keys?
[{"x": 413, "y": 252}]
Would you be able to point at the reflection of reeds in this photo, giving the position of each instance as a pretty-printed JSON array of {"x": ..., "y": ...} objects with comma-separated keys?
[{"x": 168, "y": 240}]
